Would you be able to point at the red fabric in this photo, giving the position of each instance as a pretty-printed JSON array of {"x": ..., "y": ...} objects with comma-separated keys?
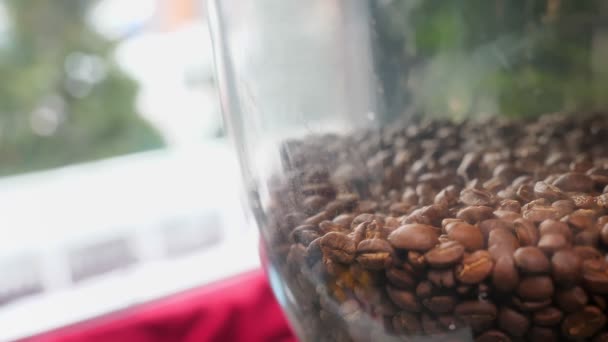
[{"x": 242, "y": 308}]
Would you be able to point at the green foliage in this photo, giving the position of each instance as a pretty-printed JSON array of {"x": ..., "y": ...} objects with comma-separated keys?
[
  {"x": 90, "y": 111},
  {"x": 483, "y": 57}
]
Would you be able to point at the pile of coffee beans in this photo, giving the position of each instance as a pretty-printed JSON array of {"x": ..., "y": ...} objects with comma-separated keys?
[{"x": 493, "y": 230}]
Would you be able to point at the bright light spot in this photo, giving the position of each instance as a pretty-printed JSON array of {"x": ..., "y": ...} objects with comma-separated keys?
[
  {"x": 85, "y": 68},
  {"x": 117, "y": 18},
  {"x": 45, "y": 120}
]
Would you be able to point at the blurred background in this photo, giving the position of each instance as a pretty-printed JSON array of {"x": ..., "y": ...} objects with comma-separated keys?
[{"x": 117, "y": 182}]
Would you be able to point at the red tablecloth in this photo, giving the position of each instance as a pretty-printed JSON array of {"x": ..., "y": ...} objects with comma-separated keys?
[{"x": 241, "y": 308}]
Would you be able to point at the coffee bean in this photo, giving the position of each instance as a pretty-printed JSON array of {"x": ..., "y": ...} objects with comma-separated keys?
[
  {"x": 544, "y": 334},
  {"x": 467, "y": 235},
  {"x": 539, "y": 213},
  {"x": 404, "y": 299},
  {"x": 477, "y": 314},
  {"x": 574, "y": 182},
  {"x": 503, "y": 237},
  {"x": 530, "y": 305},
  {"x": 583, "y": 201},
  {"x": 602, "y": 337},
  {"x": 505, "y": 277},
  {"x": 304, "y": 234},
  {"x": 595, "y": 275},
  {"x": 445, "y": 254},
  {"x": 338, "y": 247},
  {"x": 417, "y": 260},
  {"x": 587, "y": 237},
  {"x": 417, "y": 237},
  {"x": 477, "y": 197},
  {"x": 551, "y": 243},
  {"x": 474, "y": 267},
  {"x": 602, "y": 200},
  {"x": 526, "y": 232},
  {"x": 400, "y": 278},
  {"x": 556, "y": 227},
  {"x": 506, "y": 215},
  {"x": 375, "y": 254},
  {"x": 486, "y": 226},
  {"x": 548, "y": 191},
  {"x": 475, "y": 213},
  {"x": 535, "y": 288},
  {"x": 525, "y": 192},
  {"x": 586, "y": 252},
  {"x": 584, "y": 323},
  {"x": 424, "y": 289},
  {"x": 441, "y": 278},
  {"x": 493, "y": 336},
  {"x": 316, "y": 219},
  {"x": 604, "y": 234},
  {"x": 513, "y": 322},
  {"x": 344, "y": 220},
  {"x": 510, "y": 205},
  {"x": 531, "y": 260},
  {"x": 547, "y": 317},
  {"x": 430, "y": 326},
  {"x": 581, "y": 219},
  {"x": 406, "y": 323},
  {"x": 572, "y": 299},
  {"x": 566, "y": 267},
  {"x": 439, "y": 304}
]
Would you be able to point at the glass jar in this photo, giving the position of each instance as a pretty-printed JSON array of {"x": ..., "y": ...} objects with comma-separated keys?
[{"x": 425, "y": 169}]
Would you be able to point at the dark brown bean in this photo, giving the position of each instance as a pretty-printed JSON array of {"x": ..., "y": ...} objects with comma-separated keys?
[
  {"x": 467, "y": 235},
  {"x": 544, "y": 334},
  {"x": 551, "y": 243},
  {"x": 477, "y": 197},
  {"x": 530, "y": 305},
  {"x": 571, "y": 300},
  {"x": 505, "y": 277},
  {"x": 535, "y": 288},
  {"x": 566, "y": 268},
  {"x": 539, "y": 213},
  {"x": 424, "y": 289},
  {"x": 574, "y": 182},
  {"x": 584, "y": 323},
  {"x": 417, "y": 237},
  {"x": 338, "y": 247},
  {"x": 557, "y": 227},
  {"x": 400, "y": 278},
  {"x": 344, "y": 220},
  {"x": 547, "y": 317},
  {"x": 475, "y": 213},
  {"x": 513, "y": 322},
  {"x": 376, "y": 254},
  {"x": 445, "y": 254},
  {"x": 493, "y": 336},
  {"x": 503, "y": 237},
  {"x": 586, "y": 252},
  {"x": 531, "y": 260},
  {"x": 404, "y": 299},
  {"x": 526, "y": 232},
  {"x": 439, "y": 304},
  {"x": 478, "y": 314},
  {"x": 406, "y": 323},
  {"x": 548, "y": 191},
  {"x": 604, "y": 234},
  {"x": 475, "y": 267},
  {"x": 417, "y": 260},
  {"x": 595, "y": 275}
]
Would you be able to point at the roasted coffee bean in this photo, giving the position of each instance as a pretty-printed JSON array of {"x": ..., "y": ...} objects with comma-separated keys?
[
  {"x": 505, "y": 277},
  {"x": 506, "y": 215},
  {"x": 530, "y": 305},
  {"x": 525, "y": 192},
  {"x": 475, "y": 213},
  {"x": 583, "y": 201},
  {"x": 474, "y": 267},
  {"x": 587, "y": 237},
  {"x": 406, "y": 323},
  {"x": 467, "y": 235},
  {"x": 595, "y": 275},
  {"x": 572, "y": 299},
  {"x": 555, "y": 227},
  {"x": 551, "y": 243},
  {"x": 602, "y": 200},
  {"x": 539, "y": 213},
  {"x": 574, "y": 182},
  {"x": 439, "y": 304},
  {"x": 581, "y": 219},
  {"x": 544, "y": 334},
  {"x": 602, "y": 337},
  {"x": 404, "y": 299},
  {"x": 430, "y": 325},
  {"x": 586, "y": 252},
  {"x": 445, "y": 254},
  {"x": 417, "y": 260},
  {"x": 304, "y": 234},
  {"x": 526, "y": 232},
  {"x": 503, "y": 237},
  {"x": 477, "y": 314},
  {"x": 375, "y": 254},
  {"x": 400, "y": 278},
  {"x": 448, "y": 196},
  {"x": 547, "y": 317},
  {"x": 535, "y": 288},
  {"x": 493, "y": 336},
  {"x": 417, "y": 237},
  {"x": 441, "y": 278},
  {"x": 548, "y": 191},
  {"x": 584, "y": 323},
  {"x": 531, "y": 260},
  {"x": 487, "y": 226},
  {"x": 344, "y": 220},
  {"x": 338, "y": 247},
  {"x": 316, "y": 219},
  {"x": 604, "y": 234},
  {"x": 564, "y": 207},
  {"x": 513, "y": 322},
  {"x": 477, "y": 197},
  {"x": 510, "y": 205},
  {"x": 566, "y": 268},
  {"x": 424, "y": 289}
]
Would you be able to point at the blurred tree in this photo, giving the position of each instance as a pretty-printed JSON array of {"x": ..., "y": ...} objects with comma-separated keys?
[
  {"x": 472, "y": 57},
  {"x": 62, "y": 97}
]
